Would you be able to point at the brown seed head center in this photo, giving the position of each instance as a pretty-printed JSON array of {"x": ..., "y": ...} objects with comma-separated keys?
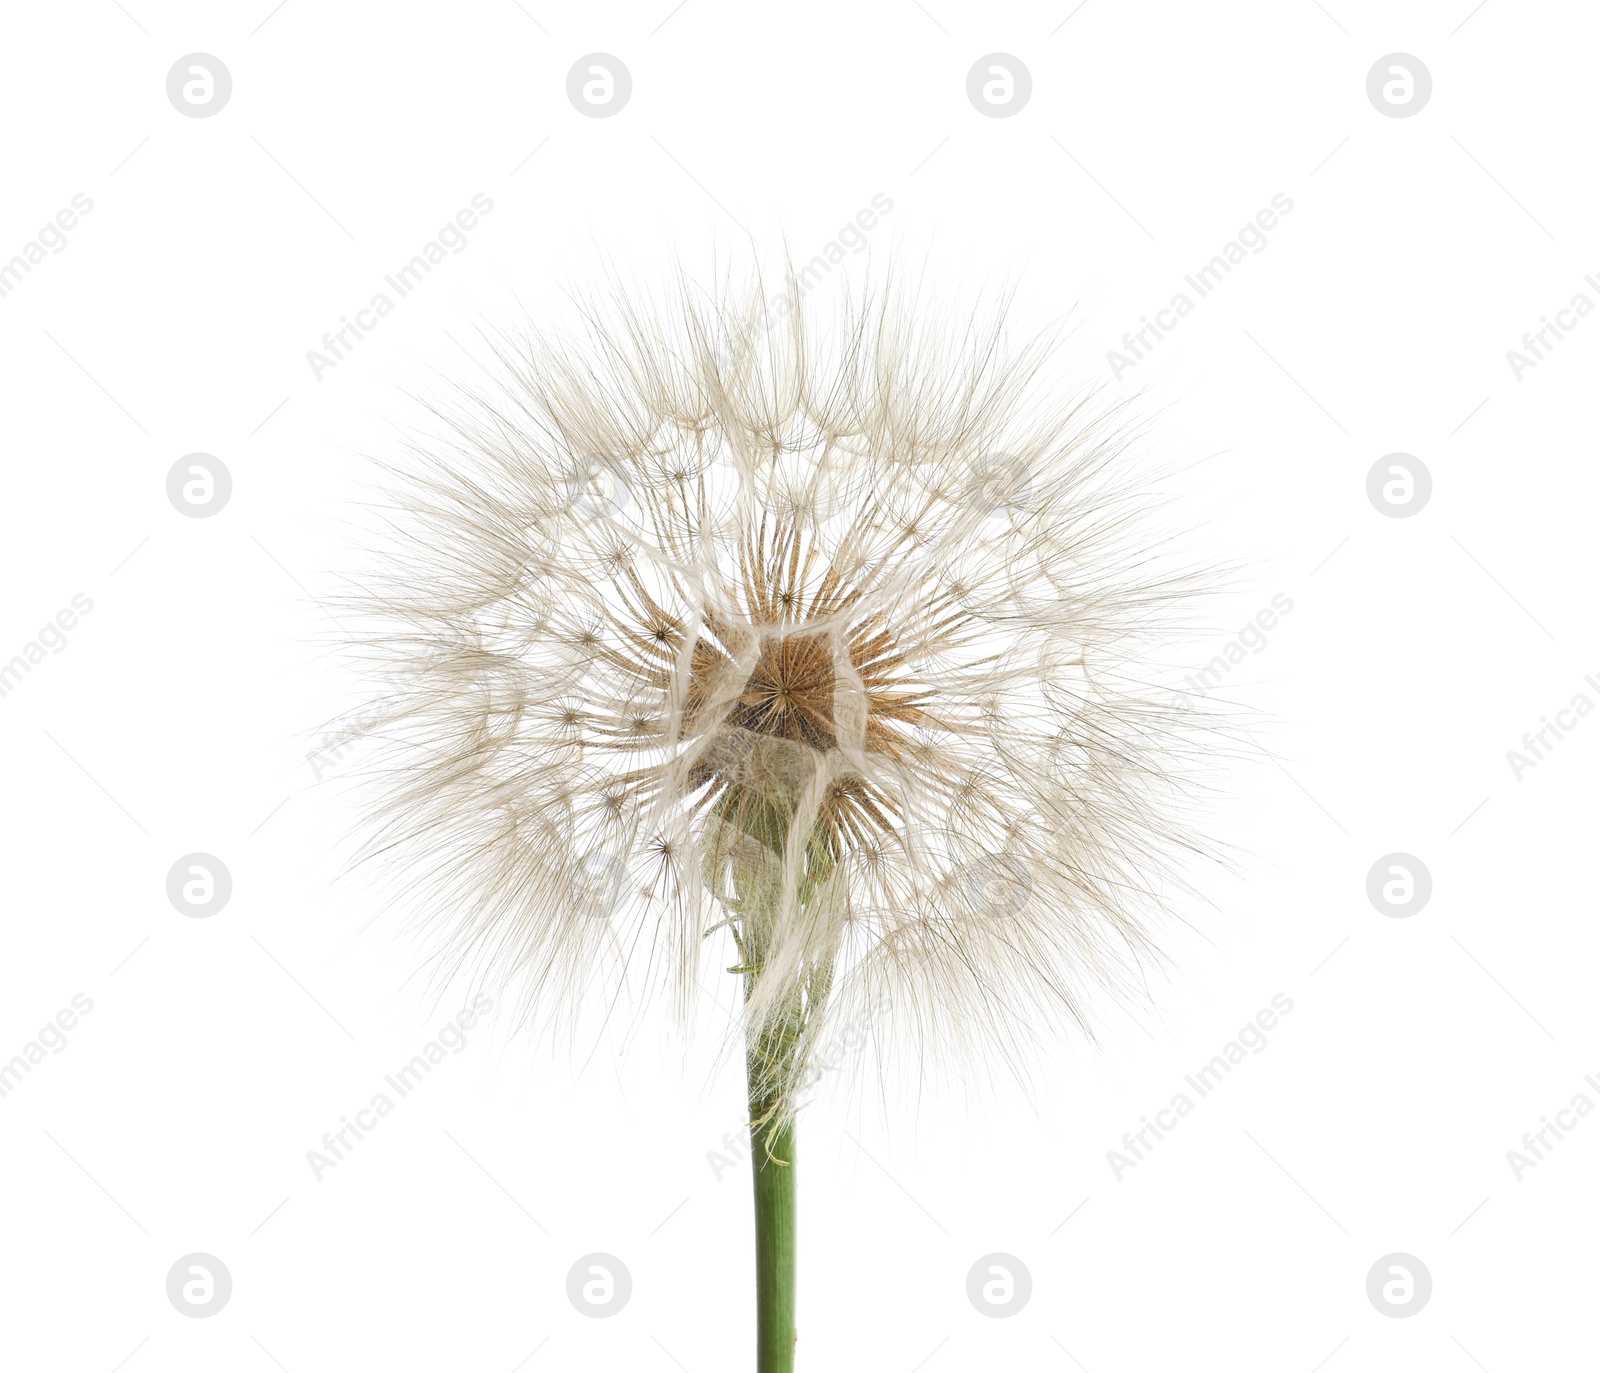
[{"x": 789, "y": 693}]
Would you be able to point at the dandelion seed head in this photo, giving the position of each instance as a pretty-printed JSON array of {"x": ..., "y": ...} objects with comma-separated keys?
[{"x": 829, "y": 638}]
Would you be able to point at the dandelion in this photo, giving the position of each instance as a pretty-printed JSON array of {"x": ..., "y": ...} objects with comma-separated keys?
[{"x": 823, "y": 646}]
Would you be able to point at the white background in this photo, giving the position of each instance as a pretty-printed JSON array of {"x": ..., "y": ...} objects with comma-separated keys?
[{"x": 179, "y": 716}]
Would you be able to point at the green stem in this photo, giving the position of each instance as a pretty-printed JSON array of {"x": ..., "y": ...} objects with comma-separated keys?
[{"x": 772, "y": 1160}]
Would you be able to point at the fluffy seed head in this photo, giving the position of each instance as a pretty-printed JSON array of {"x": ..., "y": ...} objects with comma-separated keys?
[{"x": 821, "y": 645}]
